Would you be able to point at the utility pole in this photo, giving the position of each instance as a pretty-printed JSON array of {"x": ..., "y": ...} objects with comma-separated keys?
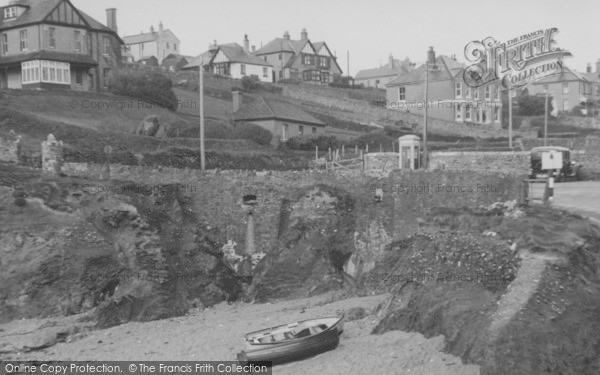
[
  {"x": 201, "y": 91},
  {"x": 510, "y": 118},
  {"x": 546, "y": 118},
  {"x": 425, "y": 155},
  {"x": 348, "y": 65}
]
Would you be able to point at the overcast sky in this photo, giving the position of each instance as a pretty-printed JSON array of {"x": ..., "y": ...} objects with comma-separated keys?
[{"x": 370, "y": 30}]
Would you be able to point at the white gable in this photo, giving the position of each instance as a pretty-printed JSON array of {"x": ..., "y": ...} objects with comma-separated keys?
[
  {"x": 323, "y": 51},
  {"x": 220, "y": 57},
  {"x": 308, "y": 49}
]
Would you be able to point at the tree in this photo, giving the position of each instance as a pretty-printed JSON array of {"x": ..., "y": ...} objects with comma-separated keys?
[{"x": 532, "y": 105}]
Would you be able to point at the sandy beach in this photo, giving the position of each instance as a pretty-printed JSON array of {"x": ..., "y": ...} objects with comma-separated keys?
[{"x": 216, "y": 334}]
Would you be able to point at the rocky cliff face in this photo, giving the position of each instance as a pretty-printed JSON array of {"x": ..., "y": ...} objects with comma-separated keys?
[
  {"x": 131, "y": 254},
  {"x": 315, "y": 240}
]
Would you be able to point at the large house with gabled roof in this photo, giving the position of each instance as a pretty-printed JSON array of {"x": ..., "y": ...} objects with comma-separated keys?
[
  {"x": 158, "y": 43},
  {"x": 302, "y": 60},
  {"x": 379, "y": 77},
  {"x": 52, "y": 44}
]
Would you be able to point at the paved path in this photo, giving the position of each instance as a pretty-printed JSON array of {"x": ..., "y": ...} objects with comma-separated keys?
[{"x": 581, "y": 197}]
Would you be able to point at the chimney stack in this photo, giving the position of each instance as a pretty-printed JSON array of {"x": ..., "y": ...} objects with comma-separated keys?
[
  {"x": 588, "y": 68},
  {"x": 152, "y": 29},
  {"x": 253, "y": 49},
  {"x": 160, "y": 27},
  {"x": 246, "y": 43},
  {"x": 303, "y": 34},
  {"x": 213, "y": 46},
  {"x": 111, "y": 19},
  {"x": 286, "y": 35},
  {"x": 391, "y": 60},
  {"x": 598, "y": 66},
  {"x": 237, "y": 100},
  {"x": 431, "y": 56}
]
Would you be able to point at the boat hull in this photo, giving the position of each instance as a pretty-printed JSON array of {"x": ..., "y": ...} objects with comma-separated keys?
[{"x": 293, "y": 350}]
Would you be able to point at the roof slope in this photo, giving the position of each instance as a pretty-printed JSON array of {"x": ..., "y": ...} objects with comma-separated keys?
[
  {"x": 263, "y": 109},
  {"x": 566, "y": 74},
  {"x": 394, "y": 68},
  {"x": 236, "y": 54},
  {"x": 448, "y": 69},
  {"x": 40, "y": 9}
]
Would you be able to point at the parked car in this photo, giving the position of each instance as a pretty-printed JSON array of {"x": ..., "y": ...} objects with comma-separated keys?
[{"x": 570, "y": 169}]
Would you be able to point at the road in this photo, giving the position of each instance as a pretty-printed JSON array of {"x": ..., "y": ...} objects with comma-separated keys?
[{"x": 581, "y": 197}]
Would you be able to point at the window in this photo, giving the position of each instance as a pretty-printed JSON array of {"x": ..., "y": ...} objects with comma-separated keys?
[
  {"x": 484, "y": 116},
  {"x": 324, "y": 62},
  {"x": 496, "y": 114},
  {"x": 495, "y": 93},
  {"x": 91, "y": 77},
  {"x": 280, "y": 56},
  {"x": 565, "y": 88},
  {"x": 468, "y": 92},
  {"x": 79, "y": 78},
  {"x": 314, "y": 130},
  {"x": 280, "y": 74},
  {"x": 477, "y": 115},
  {"x": 401, "y": 93},
  {"x": 458, "y": 87},
  {"x": 476, "y": 94},
  {"x": 300, "y": 130},
  {"x": 52, "y": 37},
  {"x": 105, "y": 45},
  {"x": 265, "y": 58},
  {"x": 487, "y": 92},
  {"x": 30, "y": 72},
  {"x": 4, "y": 43},
  {"x": 325, "y": 77},
  {"x": 24, "y": 44},
  {"x": 10, "y": 12},
  {"x": 468, "y": 110},
  {"x": 458, "y": 113},
  {"x": 265, "y": 72},
  {"x": 52, "y": 72},
  {"x": 598, "y": 90},
  {"x": 545, "y": 87},
  {"x": 307, "y": 59},
  {"x": 566, "y": 105},
  {"x": 376, "y": 83},
  {"x": 77, "y": 37},
  {"x": 243, "y": 69},
  {"x": 88, "y": 42},
  {"x": 168, "y": 45},
  {"x": 106, "y": 74},
  {"x": 286, "y": 132}
]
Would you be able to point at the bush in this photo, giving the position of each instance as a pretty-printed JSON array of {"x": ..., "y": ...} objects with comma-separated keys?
[
  {"x": 151, "y": 87},
  {"x": 533, "y": 105},
  {"x": 307, "y": 143},
  {"x": 577, "y": 111},
  {"x": 252, "y": 132},
  {"x": 373, "y": 139},
  {"x": 289, "y": 80},
  {"x": 346, "y": 86}
]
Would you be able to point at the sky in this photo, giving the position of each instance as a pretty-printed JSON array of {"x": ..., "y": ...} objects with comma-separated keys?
[{"x": 369, "y": 30}]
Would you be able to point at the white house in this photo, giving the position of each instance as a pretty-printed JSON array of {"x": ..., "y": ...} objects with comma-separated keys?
[
  {"x": 159, "y": 44},
  {"x": 236, "y": 61}
]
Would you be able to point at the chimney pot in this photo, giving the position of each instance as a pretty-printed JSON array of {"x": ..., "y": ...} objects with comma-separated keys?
[
  {"x": 237, "y": 100},
  {"x": 111, "y": 19},
  {"x": 431, "y": 56},
  {"x": 286, "y": 35},
  {"x": 304, "y": 34},
  {"x": 246, "y": 43}
]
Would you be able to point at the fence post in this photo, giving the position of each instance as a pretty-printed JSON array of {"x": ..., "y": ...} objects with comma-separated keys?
[
  {"x": 343, "y": 151},
  {"x": 316, "y": 153},
  {"x": 367, "y": 149},
  {"x": 380, "y": 147},
  {"x": 355, "y": 150},
  {"x": 329, "y": 153}
]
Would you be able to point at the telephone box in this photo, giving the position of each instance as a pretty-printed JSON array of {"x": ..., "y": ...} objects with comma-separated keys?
[{"x": 410, "y": 146}]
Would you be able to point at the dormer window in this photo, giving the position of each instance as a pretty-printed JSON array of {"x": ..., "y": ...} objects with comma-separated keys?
[{"x": 10, "y": 12}]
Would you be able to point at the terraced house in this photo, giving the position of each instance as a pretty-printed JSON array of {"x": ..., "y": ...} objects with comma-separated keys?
[
  {"x": 301, "y": 60},
  {"x": 52, "y": 44}
]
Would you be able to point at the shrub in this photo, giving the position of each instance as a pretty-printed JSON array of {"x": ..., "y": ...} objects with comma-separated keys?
[
  {"x": 533, "y": 105},
  {"x": 577, "y": 111},
  {"x": 307, "y": 143},
  {"x": 151, "y": 87},
  {"x": 346, "y": 86},
  {"x": 252, "y": 132},
  {"x": 289, "y": 80},
  {"x": 250, "y": 83}
]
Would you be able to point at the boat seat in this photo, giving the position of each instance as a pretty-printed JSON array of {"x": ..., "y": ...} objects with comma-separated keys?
[{"x": 278, "y": 337}]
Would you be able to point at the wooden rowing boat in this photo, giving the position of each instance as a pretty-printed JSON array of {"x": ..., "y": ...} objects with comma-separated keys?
[{"x": 290, "y": 342}]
